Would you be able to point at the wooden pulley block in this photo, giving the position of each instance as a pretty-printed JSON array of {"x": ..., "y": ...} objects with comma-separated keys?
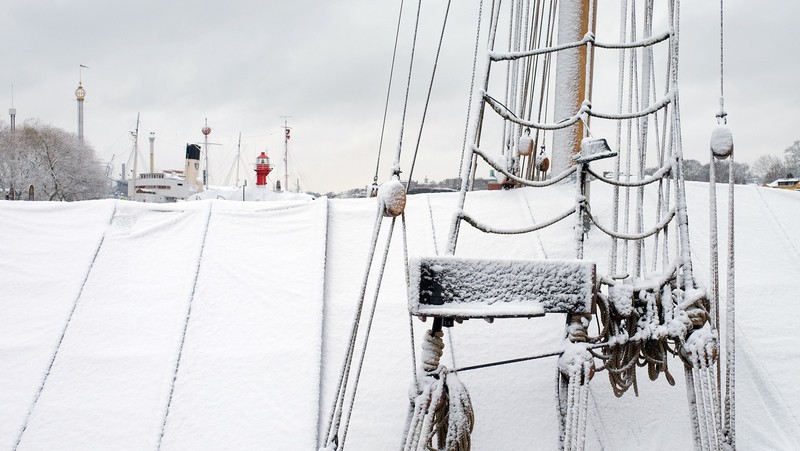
[
  {"x": 526, "y": 145},
  {"x": 544, "y": 165},
  {"x": 392, "y": 196},
  {"x": 722, "y": 142}
]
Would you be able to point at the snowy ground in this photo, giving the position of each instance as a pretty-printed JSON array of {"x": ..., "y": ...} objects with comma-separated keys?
[{"x": 222, "y": 325}]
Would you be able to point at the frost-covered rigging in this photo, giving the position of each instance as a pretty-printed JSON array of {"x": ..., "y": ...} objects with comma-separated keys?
[{"x": 646, "y": 299}]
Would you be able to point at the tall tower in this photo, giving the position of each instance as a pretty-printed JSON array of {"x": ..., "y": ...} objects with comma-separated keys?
[{"x": 80, "y": 93}]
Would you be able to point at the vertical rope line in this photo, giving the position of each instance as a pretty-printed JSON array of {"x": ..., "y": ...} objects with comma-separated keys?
[
  {"x": 428, "y": 97},
  {"x": 685, "y": 277},
  {"x": 663, "y": 186},
  {"x": 336, "y": 413},
  {"x": 532, "y": 29},
  {"x": 713, "y": 241},
  {"x": 389, "y": 89},
  {"x": 396, "y": 166},
  {"x": 532, "y": 36},
  {"x": 408, "y": 281},
  {"x": 730, "y": 323},
  {"x": 691, "y": 396},
  {"x": 64, "y": 331},
  {"x": 721, "y": 59},
  {"x": 508, "y": 78},
  {"x": 644, "y": 124},
  {"x": 544, "y": 93},
  {"x": 632, "y": 76},
  {"x": 711, "y": 418},
  {"x": 523, "y": 76},
  {"x": 713, "y": 402},
  {"x": 660, "y": 159},
  {"x": 534, "y": 40},
  {"x": 467, "y": 164},
  {"x": 701, "y": 410},
  {"x": 569, "y": 425},
  {"x": 620, "y": 100},
  {"x": 366, "y": 333},
  {"x": 584, "y": 409},
  {"x": 185, "y": 328},
  {"x": 684, "y": 256},
  {"x": 472, "y": 82}
]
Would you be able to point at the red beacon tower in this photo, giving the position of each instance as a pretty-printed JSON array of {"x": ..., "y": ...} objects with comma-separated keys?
[{"x": 263, "y": 168}]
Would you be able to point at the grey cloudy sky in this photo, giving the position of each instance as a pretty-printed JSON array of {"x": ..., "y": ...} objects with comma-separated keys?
[{"x": 243, "y": 64}]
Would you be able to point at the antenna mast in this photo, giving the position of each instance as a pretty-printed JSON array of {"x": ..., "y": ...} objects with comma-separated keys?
[
  {"x": 286, "y": 135},
  {"x": 206, "y": 176},
  {"x": 132, "y": 190},
  {"x": 238, "y": 157}
]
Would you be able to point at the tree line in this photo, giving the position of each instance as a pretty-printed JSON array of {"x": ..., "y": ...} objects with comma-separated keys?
[
  {"x": 766, "y": 168},
  {"x": 52, "y": 160}
]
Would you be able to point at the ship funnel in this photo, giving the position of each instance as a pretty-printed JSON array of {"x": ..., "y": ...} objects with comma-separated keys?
[{"x": 193, "y": 167}]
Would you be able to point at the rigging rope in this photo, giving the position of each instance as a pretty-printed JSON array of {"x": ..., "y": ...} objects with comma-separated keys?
[
  {"x": 428, "y": 96},
  {"x": 675, "y": 303},
  {"x": 645, "y": 317},
  {"x": 384, "y": 209},
  {"x": 729, "y": 411},
  {"x": 366, "y": 333},
  {"x": 336, "y": 412},
  {"x": 472, "y": 82},
  {"x": 388, "y": 90}
]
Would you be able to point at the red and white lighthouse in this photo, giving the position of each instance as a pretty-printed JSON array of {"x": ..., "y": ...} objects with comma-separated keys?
[{"x": 263, "y": 168}]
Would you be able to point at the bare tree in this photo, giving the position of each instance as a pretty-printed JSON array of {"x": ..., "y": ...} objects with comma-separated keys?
[
  {"x": 769, "y": 168},
  {"x": 54, "y": 161},
  {"x": 793, "y": 158}
]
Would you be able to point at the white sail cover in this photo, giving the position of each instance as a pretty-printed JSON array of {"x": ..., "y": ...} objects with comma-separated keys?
[{"x": 96, "y": 351}]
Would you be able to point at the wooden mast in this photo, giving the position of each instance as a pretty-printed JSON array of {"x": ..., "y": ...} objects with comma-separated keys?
[{"x": 573, "y": 24}]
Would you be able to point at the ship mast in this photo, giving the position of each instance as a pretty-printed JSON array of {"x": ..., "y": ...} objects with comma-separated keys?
[
  {"x": 132, "y": 190},
  {"x": 571, "y": 83},
  {"x": 287, "y": 132},
  {"x": 238, "y": 157}
]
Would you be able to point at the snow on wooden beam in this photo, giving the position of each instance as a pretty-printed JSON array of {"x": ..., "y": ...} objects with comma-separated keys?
[{"x": 455, "y": 287}]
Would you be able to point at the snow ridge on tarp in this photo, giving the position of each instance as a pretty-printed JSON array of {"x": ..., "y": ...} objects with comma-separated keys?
[
  {"x": 250, "y": 367},
  {"x": 38, "y": 291}
]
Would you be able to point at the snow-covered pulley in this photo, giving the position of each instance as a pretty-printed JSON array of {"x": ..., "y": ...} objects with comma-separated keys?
[
  {"x": 722, "y": 142},
  {"x": 526, "y": 144},
  {"x": 392, "y": 196},
  {"x": 373, "y": 189}
]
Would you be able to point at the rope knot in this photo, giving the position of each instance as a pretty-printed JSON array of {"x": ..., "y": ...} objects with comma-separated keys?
[
  {"x": 700, "y": 348},
  {"x": 432, "y": 350}
]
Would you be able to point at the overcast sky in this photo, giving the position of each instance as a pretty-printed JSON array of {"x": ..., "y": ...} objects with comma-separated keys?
[{"x": 243, "y": 64}]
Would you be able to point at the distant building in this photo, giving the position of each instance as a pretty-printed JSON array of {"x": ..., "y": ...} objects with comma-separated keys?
[{"x": 790, "y": 182}]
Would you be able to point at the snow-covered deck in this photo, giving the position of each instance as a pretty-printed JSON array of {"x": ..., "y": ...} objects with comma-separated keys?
[{"x": 223, "y": 325}]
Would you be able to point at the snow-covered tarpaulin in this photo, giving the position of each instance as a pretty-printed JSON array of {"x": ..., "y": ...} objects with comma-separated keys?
[{"x": 223, "y": 325}]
